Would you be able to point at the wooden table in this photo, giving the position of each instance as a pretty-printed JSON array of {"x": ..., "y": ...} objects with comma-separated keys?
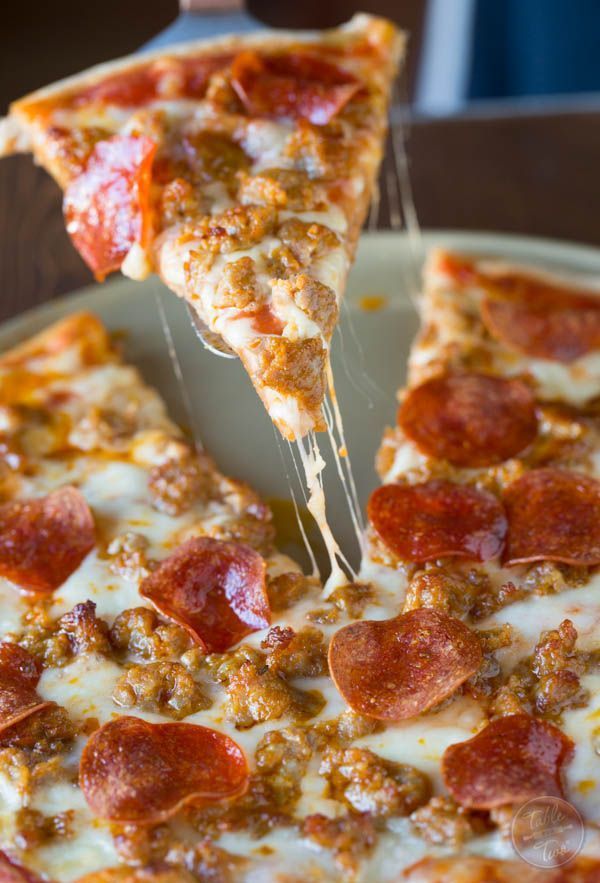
[{"x": 534, "y": 174}]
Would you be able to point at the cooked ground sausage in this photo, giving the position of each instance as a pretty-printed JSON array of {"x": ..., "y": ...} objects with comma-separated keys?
[
  {"x": 368, "y": 783},
  {"x": 300, "y": 654},
  {"x": 349, "y": 837},
  {"x": 238, "y": 286},
  {"x": 282, "y": 757},
  {"x": 442, "y": 822},
  {"x": 548, "y": 682},
  {"x": 307, "y": 241},
  {"x": 257, "y": 694},
  {"x": 140, "y": 631},
  {"x": 175, "y": 485},
  {"x": 41, "y": 735},
  {"x": 161, "y": 687},
  {"x": 444, "y": 588},
  {"x": 294, "y": 367},
  {"x": 34, "y": 829},
  {"x": 283, "y": 189},
  {"x": 128, "y": 554},
  {"x": 235, "y": 228},
  {"x": 287, "y": 589}
]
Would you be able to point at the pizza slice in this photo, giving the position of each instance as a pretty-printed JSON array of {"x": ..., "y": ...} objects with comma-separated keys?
[
  {"x": 484, "y": 537},
  {"x": 240, "y": 170}
]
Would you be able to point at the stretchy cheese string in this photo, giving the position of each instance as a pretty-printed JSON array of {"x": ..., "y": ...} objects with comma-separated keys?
[
  {"x": 333, "y": 418},
  {"x": 177, "y": 371},
  {"x": 293, "y": 491},
  {"x": 313, "y": 465}
]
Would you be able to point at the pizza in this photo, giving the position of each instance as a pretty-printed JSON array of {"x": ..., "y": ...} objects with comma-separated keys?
[
  {"x": 179, "y": 702},
  {"x": 484, "y": 537},
  {"x": 238, "y": 169}
]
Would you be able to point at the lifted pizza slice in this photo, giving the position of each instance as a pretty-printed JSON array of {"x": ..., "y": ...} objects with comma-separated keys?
[{"x": 240, "y": 170}]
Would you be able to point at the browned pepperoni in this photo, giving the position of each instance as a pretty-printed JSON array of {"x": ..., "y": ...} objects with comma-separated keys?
[
  {"x": 141, "y": 773},
  {"x": 215, "y": 590},
  {"x": 42, "y": 541},
  {"x": 19, "y": 676},
  {"x": 545, "y": 323},
  {"x": 553, "y": 515},
  {"x": 514, "y": 759},
  {"x": 295, "y": 85},
  {"x": 394, "y": 669},
  {"x": 107, "y": 206},
  {"x": 437, "y": 519},
  {"x": 471, "y": 420},
  {"x": 530, "y": 314}
]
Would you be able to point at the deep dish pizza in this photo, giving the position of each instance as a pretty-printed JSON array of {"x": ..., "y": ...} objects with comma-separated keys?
[
  {"x": 485, "y": 538},
  {"x": 240, "y": 170}
]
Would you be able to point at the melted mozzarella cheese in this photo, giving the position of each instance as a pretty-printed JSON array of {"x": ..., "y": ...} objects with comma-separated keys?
[
  {"x": 313, "y": 465},
  {"x": 423, "y": 740}
]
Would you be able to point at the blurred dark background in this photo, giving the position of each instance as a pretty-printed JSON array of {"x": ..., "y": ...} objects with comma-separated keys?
[
  {"x": 502, "y": 133},
  {"x": 42, "y": 41},
  {"x": 460, "y": 50}
]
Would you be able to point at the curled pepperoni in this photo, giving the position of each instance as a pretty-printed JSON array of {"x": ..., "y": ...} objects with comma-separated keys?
[
  {"x": 107, "y": 207},
  {"x": 167, "y": 78},
  {"x": 397, "y": 668},
  {"x": 539, "y": 319},
  {"x": 514, "y": 759},
  {"x": 19, "y": 676},
  {"x": 42, "y": 541},
  {"x": 140, "y": 773},
  {"x": 130, "y": 88},
  {"x": 553, "y": 515},
  {"x": 471, "y": 420},
  {"x": 530, "y": 314},
  {"x": 292, "y": 85},
  {"x": 436, "y": 519},
  {"x": 13, "y": 872},
  {"x": 215, "y": 590}
]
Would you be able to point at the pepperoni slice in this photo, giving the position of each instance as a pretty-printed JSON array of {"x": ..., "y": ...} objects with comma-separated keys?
[
  {"x": 215, "y": 590},
  {"x": 169, "y": 78},
  {"x": 140, "y": 773},
  {"x": 293, "y": 85},
  {"x": 514, "y": 759},
  {"x": 107, "y": 207},
  {"x": 13, "y": 872},
  {"x": 476, "y": 869},
  {"x": 42, "y": 541},
  {"x": 471, "y": 420},
  {"x": 530, "y": 314},
  {"x": 560, "y": 328},
  {"x": 436, "y": 519},
  {"x": 394, "y": 669},
  {"x": 19, "y": 676},
  {"x": 461, "y": 269},
  {"x": 130, "y": 88},
  {"x": 553, "y": 515}
]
